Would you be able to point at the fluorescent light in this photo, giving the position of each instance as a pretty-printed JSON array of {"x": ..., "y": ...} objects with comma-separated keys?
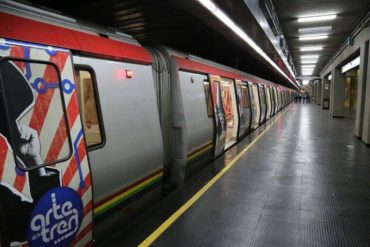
[
  {"x": 305, "y": 82},
  {"x": 311, "y": 48},
  {"x": 317, "y": 18},
  {"x": 315, "y": 30},
  {"x": 309, "y": 37},
  {"x": 355, "y": 62},
  {"x": 308, "y": 66},
  {"x": 208, "y": 4},
  {"x": 308, "y": 61},
  {"x": 310, "y": 56},
  {"x": 307, "y": 72}
]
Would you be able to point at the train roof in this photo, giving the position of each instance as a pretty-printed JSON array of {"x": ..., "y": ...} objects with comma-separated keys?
[
  {"x": 196, "y": 64},
  {"x": 29, "y": 24}
]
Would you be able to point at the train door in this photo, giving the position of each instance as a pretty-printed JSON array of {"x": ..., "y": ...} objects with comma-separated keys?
[
  {"x": 219, "y": 116},
  {"x": 45, "y": 181},
  {"x": 230, "y": 109},
  {"x": 244, "y": 107},
  {"x": 276, "y": 100},
  {"x": 262, "y": 97},
  {"x": 255, "y": 107},
  {"x": 272, "y": 101},
  {"x": 268, "y": 101},
  {"x": 280, "y": 100}
]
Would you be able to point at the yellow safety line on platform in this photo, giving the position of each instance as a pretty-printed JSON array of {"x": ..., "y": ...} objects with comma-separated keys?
[{"x": 152, "y": 237}]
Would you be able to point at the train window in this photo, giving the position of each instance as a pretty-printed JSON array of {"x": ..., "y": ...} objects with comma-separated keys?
[
  {"x": 207, "y": 92},
  {"x": 89, "y": 106},
  {"x": 245, "y": 96},
  {"x": 36, "y": 121}
]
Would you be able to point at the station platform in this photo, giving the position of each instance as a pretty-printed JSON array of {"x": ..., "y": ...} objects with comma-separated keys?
[{"x": 302, "y": 179}]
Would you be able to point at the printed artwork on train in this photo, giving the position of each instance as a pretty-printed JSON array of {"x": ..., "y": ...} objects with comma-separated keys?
[{"x": 45, "y": 181}]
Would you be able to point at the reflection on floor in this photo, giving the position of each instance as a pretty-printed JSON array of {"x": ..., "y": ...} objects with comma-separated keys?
[{"x": 230, "y": 137}]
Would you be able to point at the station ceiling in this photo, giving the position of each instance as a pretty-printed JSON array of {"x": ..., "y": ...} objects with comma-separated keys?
[
  {"x": 348, "y": 13},
  {"x": 187, "y": 26}
]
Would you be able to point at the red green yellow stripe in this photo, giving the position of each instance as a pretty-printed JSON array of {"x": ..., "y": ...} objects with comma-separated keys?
[
  {"x": 203, "y": 148},
  {"x": 127, "y": 193}
]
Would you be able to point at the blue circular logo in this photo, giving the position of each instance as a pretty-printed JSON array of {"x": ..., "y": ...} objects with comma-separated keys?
[{"x": 56, "y": 218}]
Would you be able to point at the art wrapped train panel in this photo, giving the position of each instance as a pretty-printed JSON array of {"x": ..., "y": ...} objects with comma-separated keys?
[{"x": 45, "y": 181}]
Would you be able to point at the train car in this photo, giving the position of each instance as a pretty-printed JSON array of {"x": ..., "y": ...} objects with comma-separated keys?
[
  {"x": 212, "y": 107},
  {"x": 95, "y": 127},
  {"x": 86, "y": 102}
]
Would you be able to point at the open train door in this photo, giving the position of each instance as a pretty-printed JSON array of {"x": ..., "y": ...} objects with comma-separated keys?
[
  {"x": 45, "y": 181},
  {"x": 219, "y": 116}
]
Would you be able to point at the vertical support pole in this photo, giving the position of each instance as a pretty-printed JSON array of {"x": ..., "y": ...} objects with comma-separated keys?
[
  {"x": 361, "y": 91},
  {"x": 318, "y": 98},
  {"x": 366, "y": 121},
  {"x": 337, "y": 94}
]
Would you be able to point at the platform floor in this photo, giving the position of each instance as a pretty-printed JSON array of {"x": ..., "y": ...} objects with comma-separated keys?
[{"x": 305, "y": 182}]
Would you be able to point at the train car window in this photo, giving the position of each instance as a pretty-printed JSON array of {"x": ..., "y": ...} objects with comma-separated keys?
[
  {"x": 89, "y": 106},
  {"x": 245, "y": 96},
  {"x": 240, "y": 97},
  {"x": 263, "y": 96},
  {"x": 207, "y": 92},
  {"x": 33, "y": 104}
]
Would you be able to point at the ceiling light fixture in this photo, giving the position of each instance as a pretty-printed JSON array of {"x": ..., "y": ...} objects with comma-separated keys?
[
  {"x": 355, "y": 62},
  {"x": 307, "y": 69},
  {"x": 208, "y": 4},
  {"x": 310, "y": 56},
  {"x": 309, "y": 37},
  {"x": 308, "y": 66},
  {"x": 315, "y": 30},
  {"x": 311, "y": 61},
  {"x": 307, "y": 72},
  {"x": 311, "y": 48},
  {"x": 317, "y": 18}
]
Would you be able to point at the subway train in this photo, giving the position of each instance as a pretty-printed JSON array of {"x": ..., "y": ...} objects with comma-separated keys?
[{"x": 95, "y": 127}]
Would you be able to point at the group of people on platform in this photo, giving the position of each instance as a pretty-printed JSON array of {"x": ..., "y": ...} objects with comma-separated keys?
[{"x": 304, "y": 98}]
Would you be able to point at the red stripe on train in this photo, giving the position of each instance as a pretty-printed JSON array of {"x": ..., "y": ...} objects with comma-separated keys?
[
  {"x": 42, "y": 104},
  {"x": 20, "y": 28},
  {"x": 3, "y": 154},
  {"x": 88, "y": 208},
  {"x": 17, "y": 51},
  {"x": 19, "y": 182},
  {"x": 82, "y": 191},
  {"x": 43, "y": 100},
  {"x": 61, "y": 134},
  {"x": 72, "y": 167}
]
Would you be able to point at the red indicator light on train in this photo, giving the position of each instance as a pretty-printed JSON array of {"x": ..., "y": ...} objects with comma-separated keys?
[
  {"x": 129, "y": 73},
  {"x": 121, "y": 74}
]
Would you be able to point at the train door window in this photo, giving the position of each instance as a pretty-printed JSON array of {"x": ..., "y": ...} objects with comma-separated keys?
[
  {"x": 240, "y": 97},
  {"x": 207, "y": 92},
  {"x": 245, "y": 96},
  {"x": 32, "y": 96},
  {"x": 231, "y": 111},
  {"x": 89, "y": 106}
]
